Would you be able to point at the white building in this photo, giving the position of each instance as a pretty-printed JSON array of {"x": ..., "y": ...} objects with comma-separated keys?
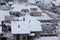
[{"x": 26, "y": 26}]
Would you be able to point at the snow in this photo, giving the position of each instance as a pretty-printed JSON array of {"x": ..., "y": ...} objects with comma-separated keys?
[
  {"x": 29, "y": 25},
  {"x": 18, "y": 7},
  {"x": 32, "y": 34},
  {"x": 31, "y": 1},
  {"x": 47, "y": 38},
  {"x": 35, "y": 26},
  {"x": 3, "y": 14},
  {"x": 23, "y": 29}
]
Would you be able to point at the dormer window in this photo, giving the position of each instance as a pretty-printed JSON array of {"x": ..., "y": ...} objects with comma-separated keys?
[
  {"x": 24, "y": 10},
  {"x": 17, "y": 14},
  {"x": 35, "y": 13},
  {"x": 33, "y": 9}
]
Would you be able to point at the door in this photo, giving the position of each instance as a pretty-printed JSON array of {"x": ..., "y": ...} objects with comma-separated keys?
[{"x": 17, "y": 37}]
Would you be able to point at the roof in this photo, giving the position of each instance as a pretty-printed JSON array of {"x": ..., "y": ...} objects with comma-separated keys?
[
  {"x": 35, "y": 26},
  {"x": 29, "y": 25},
  {"x": 19, "y": 27},
  {"x": 47, "y": 38},
  {"x": 19, "y": 7}
]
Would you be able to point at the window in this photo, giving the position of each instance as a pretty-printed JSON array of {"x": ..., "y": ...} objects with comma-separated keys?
[
  {"x": 24, "y": 38},
  {"x": 18, "y": 26},
  {"x": 17, "y": 14},
  {"x": 17, "y": 37},
  {"x": 23, "y": 19},
  {"x": 47, "y": 21},
  {"x": 33, "y": 9},
  {"x": 2, "y": 3},
  {"x": 35, "y": 13},
  {"x": 47, "y": 28},
  {"x": 24, "y": 10}
]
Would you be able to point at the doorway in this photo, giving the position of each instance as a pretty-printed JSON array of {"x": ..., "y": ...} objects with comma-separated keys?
[{"x": 17, "y": 37}]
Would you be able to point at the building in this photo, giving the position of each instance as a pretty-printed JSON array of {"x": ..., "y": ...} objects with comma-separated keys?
[
  {"x": 45, "y": 19},
  {"x": 27, "y": 29},
  {"x": 26, "y": 21}
]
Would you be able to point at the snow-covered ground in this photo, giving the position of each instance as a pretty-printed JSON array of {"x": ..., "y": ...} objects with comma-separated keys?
[{"x": 47, "y": 38}]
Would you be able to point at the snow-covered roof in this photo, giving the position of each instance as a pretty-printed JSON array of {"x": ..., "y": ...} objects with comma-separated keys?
[
  {"x": 19, "y": 7},
  {"x": 19, "y": 27},
  {"x": 35, "y": 26},
  {"x": 47, "y": 38},
  {"x": 0, "y": 29},
  {"x": 32, "y": 25}
]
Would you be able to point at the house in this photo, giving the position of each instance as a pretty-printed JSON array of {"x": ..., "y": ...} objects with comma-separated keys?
[
  {"x": 43, "y": 18},
  {"x": 22, "y": 30},
  {"x": 26, "y": 26},
  {"x": 26, "y": 9}
]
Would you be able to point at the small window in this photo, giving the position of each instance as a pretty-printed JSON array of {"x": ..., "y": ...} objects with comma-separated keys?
[
  {"x": 33, "y": 9},
  {"x": 2, "y": 3},
  {"x": 18, "y": 26},
  {"x": 17, "y": 14},
  {"x": 24, "y": 10},
  {"x": 35, "y": 13},
  {"x": 23, "y": 19}
]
